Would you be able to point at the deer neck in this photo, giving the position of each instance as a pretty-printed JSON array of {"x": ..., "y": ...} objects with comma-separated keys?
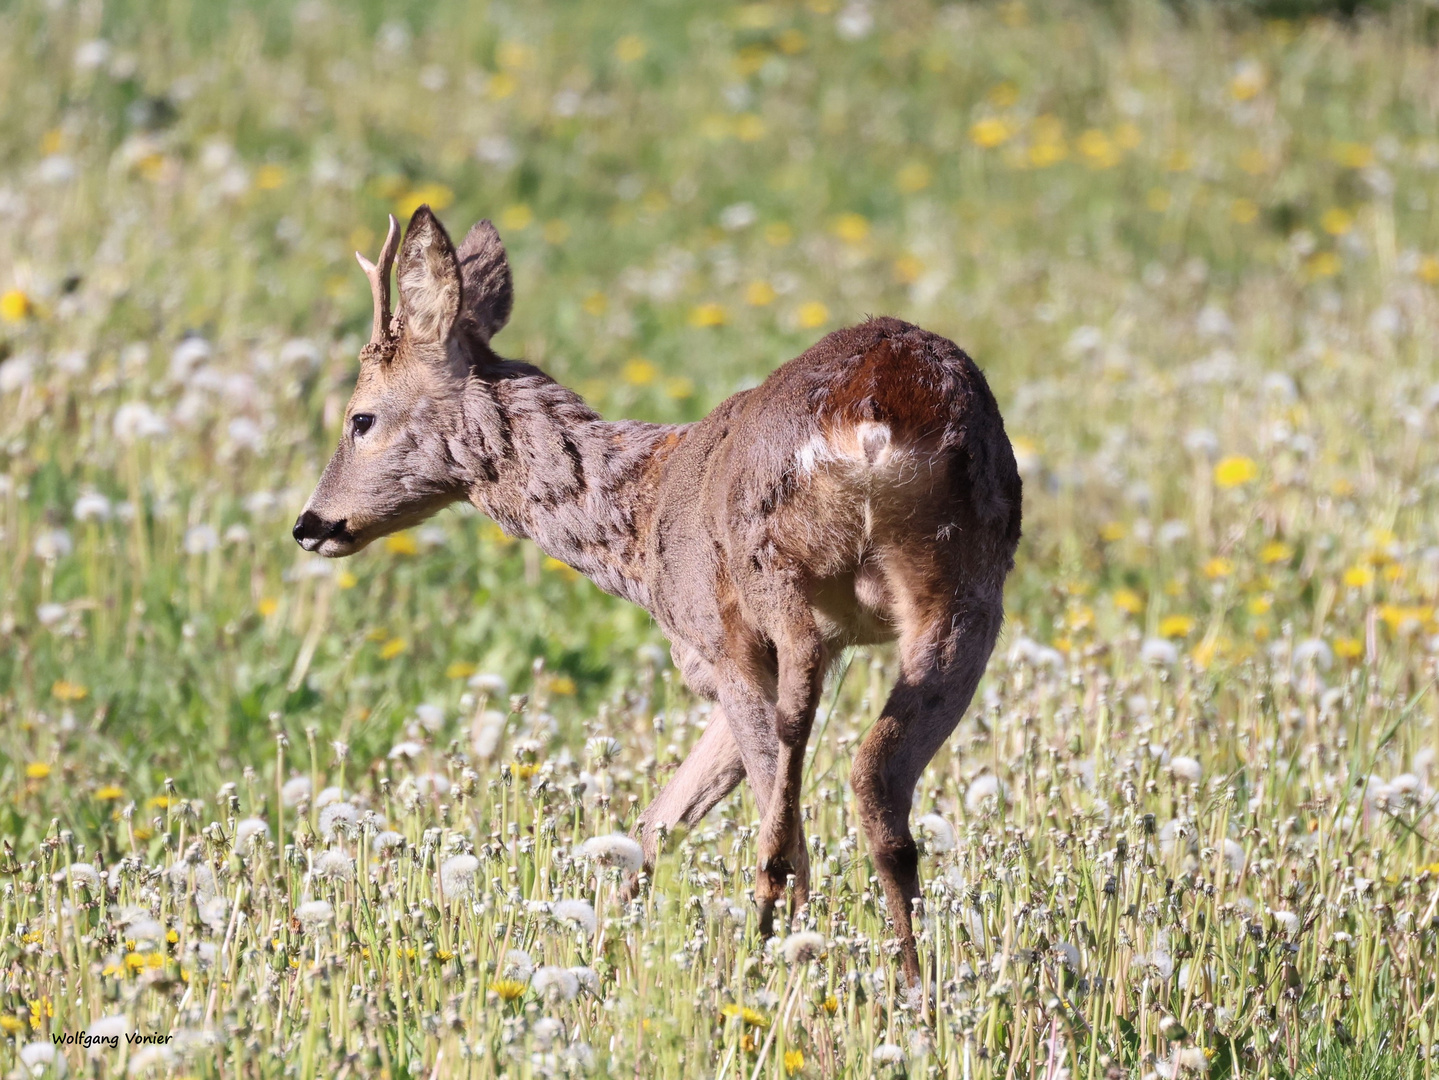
[{"x": 534, "y": 457}]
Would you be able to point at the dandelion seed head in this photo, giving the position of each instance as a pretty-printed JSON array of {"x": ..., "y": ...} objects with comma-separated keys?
[
  {"x": 938, "y": 833},
  {"x": 85, "y": 874},
  {"x": 518, "y": 965},
  {"x": 338, "y": 819},
  {"x": 314, "y": 914},
  {"x": 247, "y": 830},
  {"x": 408, "y": 750},
  {"x": 985, "y": 790},
  {"x": 295, "y": 791},
  {"x": 41, "y": 1058},
  {"x": 1157, "y": 652},
  {"x": 588, "y": 978},
  {"x": 555, "y": 983},
  {"x": 580, "y": 913},
  {"x": 803, "y": 947},
  {"x": 1186, "y": 769},
  {"x": 457, "y": 874},
  {"x": 333, "y": 865},
  {"x": 387, "y": 841},
  {"x": 888, "y": 1054},
  {"x": 487, "y": 682},
  {"x": 616, "y": 849}
]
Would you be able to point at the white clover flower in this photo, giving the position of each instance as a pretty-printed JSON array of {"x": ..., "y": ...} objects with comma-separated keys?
[
  {"x": 938, "y": 833},
  {"x": 803, "y": 947},
  {"x": 408, "y": 749},
  {"x": 555, "y": 983},
  {"x": 457, "y": 874},
  {"x": 985, "y": 790},
  {"x": 83, "y": 873},
  {"x": 1186, "y": 769},
  {"x": 295, "y": 790},
  {"x": 248, "y": 829},
  {"x": 385, "y": 841},
  {"x": 1156, "y": 652},
  {"x": 888, "y": 1054},
  {"x": 332, "y": 865},
  {"x": 616, "y": 849},
  {"x": 339, "y": 818},
  {"x": 487, "y": 682},
  {"x": 92, "y": 506},
  {"x": 314, "y": 914}
]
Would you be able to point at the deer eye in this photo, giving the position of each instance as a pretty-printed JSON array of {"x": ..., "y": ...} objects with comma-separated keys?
[{"x": 362, "y": 422}]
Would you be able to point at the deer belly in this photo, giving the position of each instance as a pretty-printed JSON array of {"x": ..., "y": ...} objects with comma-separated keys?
[{"x": 853, "y": 608}]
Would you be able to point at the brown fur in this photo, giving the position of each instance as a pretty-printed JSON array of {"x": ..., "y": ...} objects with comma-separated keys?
[{"x": 865, "y": 492}]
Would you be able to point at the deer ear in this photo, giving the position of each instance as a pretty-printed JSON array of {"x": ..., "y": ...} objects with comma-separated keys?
[
  {"x": 428, "y": 279},
  {"x": 489, "y": 291}
]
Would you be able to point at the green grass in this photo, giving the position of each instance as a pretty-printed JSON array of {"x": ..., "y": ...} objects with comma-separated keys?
[{"x": 1197, "y": 255}]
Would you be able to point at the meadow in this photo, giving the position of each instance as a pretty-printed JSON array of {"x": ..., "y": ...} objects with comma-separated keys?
[{"x": 364, "y": 818}]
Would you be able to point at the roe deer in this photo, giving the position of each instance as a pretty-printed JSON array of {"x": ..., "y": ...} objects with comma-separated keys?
[{"x": 865, "y": 492}]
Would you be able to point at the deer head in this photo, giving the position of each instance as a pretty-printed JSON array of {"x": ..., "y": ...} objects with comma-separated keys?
[{"x": 392, "y": 468}]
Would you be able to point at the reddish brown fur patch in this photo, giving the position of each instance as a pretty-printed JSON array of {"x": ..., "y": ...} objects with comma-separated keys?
[{"x": 890, "y": 384}]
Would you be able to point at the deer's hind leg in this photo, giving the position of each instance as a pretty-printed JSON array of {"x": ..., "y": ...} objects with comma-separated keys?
[
  {"x": 944, "y": 648},
  {"x": 711, "y": 771}
]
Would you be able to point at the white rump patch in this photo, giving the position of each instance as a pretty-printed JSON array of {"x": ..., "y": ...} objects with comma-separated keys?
[{"x": 868, "y": 441}]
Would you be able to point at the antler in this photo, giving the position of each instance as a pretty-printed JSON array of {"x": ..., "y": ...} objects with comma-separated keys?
[{"x": 380, "y": 286}]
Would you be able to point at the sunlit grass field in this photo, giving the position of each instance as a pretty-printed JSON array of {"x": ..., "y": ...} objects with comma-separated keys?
[{"x": 359, "y": 818}]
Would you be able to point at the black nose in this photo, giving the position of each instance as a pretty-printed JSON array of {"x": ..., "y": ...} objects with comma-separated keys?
[{"x": 311, "y": 530}]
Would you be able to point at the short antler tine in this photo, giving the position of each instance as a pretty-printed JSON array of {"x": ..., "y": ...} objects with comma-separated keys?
[{"x": 379, "y": 277}]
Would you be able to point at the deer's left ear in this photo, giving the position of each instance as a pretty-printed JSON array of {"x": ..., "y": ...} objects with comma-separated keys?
[{"x": 428, "y": 279}]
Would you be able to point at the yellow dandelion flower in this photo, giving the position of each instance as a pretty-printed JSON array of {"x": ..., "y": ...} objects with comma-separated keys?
[
  {"x": 759, "y": 294},
  {"x": 508, "y": 989},
  {"x": 639, "y": 372},
  {"x": 402, "y": 543},
  {"x": 11, "y": 1025},
  {"x": 1352, "y": 155},
  {"x": 778, "y": 234},
  {"x": 812, "y": 314},
  {"x": 514, "y": 55},
  {"x": 267, "y": 607},
  {"x": 1176, "y": 626},
  {"x": 1323, "y": 264},
  {"x": 990, "y": 132},
  {"x": 109, "y": 793},
  {"x": 1234, "y": 471},
  {"x": 749, "y": 128},
  {"x": 459, "y": 670},
  {"x": 1218, "y": 567},
  {"x": 1260, "y": 605},
  {"x": 1336, "y": 221},
  {"x": 830, "y": 1004},
  {"x": 436, "y": 196},
  {"x": 562, "y": 684},
  {"x": 1112, "y": 531},
  {"x": 1348, "y": 648},
  {"x": 630, "y": 48},
  {"x": 269, "y": 177},
  {"x": 594, "y": 304},
  {"x": 393, "y": 648},
  {"x": 68, "y": 691},
  {"x": 517, "y": 217},
  {"x": 1276, "y": 551},
  {"x": 1127, "y": 600},
  {"x": 15, "y": 306},
  {"x": 679, "y": 388},
  {"x": 1097, "y": 148},
  {"x": 159, "y": 802},
  {"x": 851, "y": 228},
  {"x": 751, "y": 1017},
  {"x": 1359, "y": 576},
  {"x": 37, "y": 770},
  {"x": 346, "y": 580},
  {"x": 706, "y": 315},
  {"x": 1429, "y": 270},
  {"x": 793, "y": 1061},
  {"x": 916, "y": 176},
  {"x": 1243, "y": 211},
  {"x": 907, "y": 269}
]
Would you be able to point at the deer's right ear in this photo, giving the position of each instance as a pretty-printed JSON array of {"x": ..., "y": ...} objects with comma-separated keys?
[
  {"x": 489, "y": 290},
  {"x": 429, "y": 280}
]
